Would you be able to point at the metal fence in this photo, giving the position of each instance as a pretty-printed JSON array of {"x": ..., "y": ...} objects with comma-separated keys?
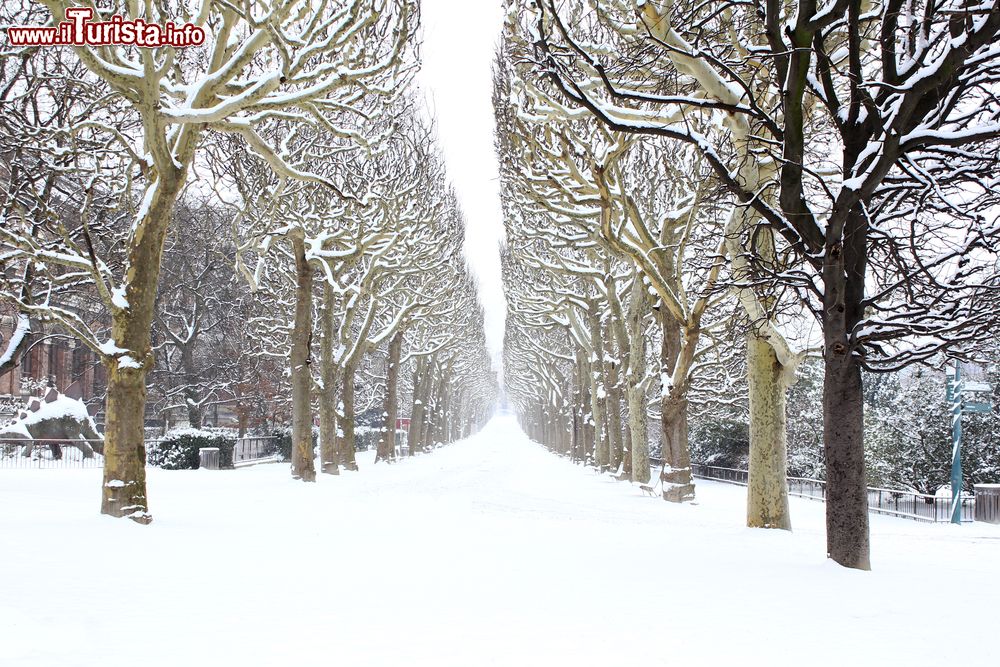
[
  {"x": 50, "y": 454},
  {"x": 255, "y": 449},
  {"x": 41, "y": 453},
  {"x": 892, "y": 502}
]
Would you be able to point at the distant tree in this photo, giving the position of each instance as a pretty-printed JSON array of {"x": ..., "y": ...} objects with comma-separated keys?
[{"x": 299, "y": 64}]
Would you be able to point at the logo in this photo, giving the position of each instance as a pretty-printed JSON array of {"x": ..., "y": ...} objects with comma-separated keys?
[{"x": 79, "y": 30}]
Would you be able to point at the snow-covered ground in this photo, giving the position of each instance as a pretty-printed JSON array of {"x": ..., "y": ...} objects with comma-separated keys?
[{"x": 488, "y": 552}]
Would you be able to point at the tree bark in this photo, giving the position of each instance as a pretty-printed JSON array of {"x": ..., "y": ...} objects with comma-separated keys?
[
  {"x": 579, "y": 445},
  {"x": 586, "y": 407},
  {"x": 598, "y": 395},
  {"x": 678, "y": 485},
  {"x": 444, "y": 417},
  {"x": 195, "y": 410},
  {"x": 124, "y": 490},
  {"x": 432, "y": 423},
  {"x": 301, "y": 359},
  {"x": 345, "y": 433},
  {"x": 328, "y": 392},
  {"x": 844, "y": 271},
  {"x": 242, "y": 418},
  {"x": 627, "y": 452},
  {"x": 414, "y": 437},
  {"x": 124, "y": 446},
  {"x": 635, "y": 392},
  {"x": 767, "y": 487},
  {"x": 387, "y": 441},
  {"x": 614, "y": 409}
]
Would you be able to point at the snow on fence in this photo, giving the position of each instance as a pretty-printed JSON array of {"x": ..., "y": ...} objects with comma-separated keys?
[{"x": 892, "y": 502}]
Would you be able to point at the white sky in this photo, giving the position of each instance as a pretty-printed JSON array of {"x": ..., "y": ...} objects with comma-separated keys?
[{"x": 457, "y": 79}]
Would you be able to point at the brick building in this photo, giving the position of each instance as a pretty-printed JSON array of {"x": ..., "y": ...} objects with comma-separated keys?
[{"x": 51, "y": 357}]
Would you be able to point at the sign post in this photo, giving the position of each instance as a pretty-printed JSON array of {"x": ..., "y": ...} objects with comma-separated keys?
[
  {"x": 956, "y": 445},
  {"x": 955, "y": 390}
]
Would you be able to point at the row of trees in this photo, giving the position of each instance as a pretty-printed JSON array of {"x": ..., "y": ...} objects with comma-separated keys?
[
  {"x": 287, "y": 147},
  {"x": 814, "y": 179},
  {"x": 908, "y": 430}
]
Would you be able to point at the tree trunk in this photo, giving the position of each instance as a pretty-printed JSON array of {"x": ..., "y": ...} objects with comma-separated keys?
[
  {"x": 627, "y": 452},
  {"x": 565, "y": 429},
  {"x": 387, "y": 440},
  {"x": 843, "y": 401},
  {"x": 635, "y": 391},
  {"x": 432, "y": 424},
  {"x": 445, "y": 415},
  {"x": 767, "y": 487},
  {"x": 301, "y": 359},
  {"x": 328, "y": 391},
  {"x": 124, "y": 446},
  {"x": 678, "y": 485},
  {"x": 124, "y": 490},
  {"x": 415, "y": 435},
  {"x": 242, "y": 419},
  {"x": 195, "y": 410},
  {"x": 598, "y": 394},
  {"x": 579, "y": 447},
  {"x": 843, "y": 435},
  {"x": 586, "y": 406},
  {"x": 614, "y": 405},
  {"x": 345, "y": 433}
]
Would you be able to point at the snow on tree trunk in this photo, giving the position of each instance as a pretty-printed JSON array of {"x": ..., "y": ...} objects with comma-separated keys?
[
  {"x": 124, "y": 491},
  {"x": 767, "y": 488},
  {"x": 124, "y": 447},
  {"x": 195, "y": 407}
]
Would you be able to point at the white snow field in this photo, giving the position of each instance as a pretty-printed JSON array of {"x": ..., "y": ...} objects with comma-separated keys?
[{"x": 491, "y": 551}]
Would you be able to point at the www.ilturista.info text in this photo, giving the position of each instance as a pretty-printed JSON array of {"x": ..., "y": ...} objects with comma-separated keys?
[{"x": 79, "y": 30}]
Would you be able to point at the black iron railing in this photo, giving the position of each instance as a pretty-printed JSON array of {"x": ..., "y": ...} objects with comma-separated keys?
[
  {"x": 42, "y": 453},
  {"x": 892, "y": 502}
]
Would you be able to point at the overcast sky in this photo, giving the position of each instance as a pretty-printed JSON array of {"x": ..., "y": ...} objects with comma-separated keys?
[{"x": 457, "y": 79}]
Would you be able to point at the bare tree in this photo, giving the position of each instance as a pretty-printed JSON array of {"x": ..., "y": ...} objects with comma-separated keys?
[{"x": 899, "y": 91}]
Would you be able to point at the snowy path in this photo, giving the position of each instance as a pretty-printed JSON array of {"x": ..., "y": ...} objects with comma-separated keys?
[{"x": 488, "y": 552}]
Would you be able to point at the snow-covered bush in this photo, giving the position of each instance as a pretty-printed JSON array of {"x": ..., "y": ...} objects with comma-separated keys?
[
  {"x": 721, "y": 442},
  {"x": 178, "y": 449}
]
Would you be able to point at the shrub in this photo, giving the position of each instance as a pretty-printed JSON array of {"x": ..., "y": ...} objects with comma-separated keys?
[
  {"x": 178, "y": 450},
  {"x": 723, "y": 442},
  {"x": 367, "y": 437},
  {"x": 284, "y": 441}
]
